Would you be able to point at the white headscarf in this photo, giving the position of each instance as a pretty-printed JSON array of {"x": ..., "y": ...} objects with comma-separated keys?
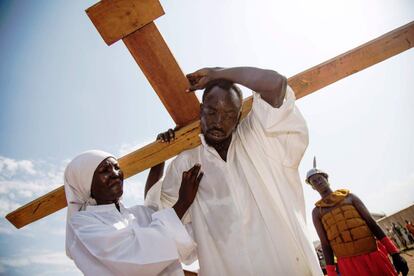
[{"x": 78, "y": 182}]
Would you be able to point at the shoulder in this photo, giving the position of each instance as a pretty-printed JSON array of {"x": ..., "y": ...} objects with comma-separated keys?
[
  {"x": 315, "y": 213},
  {"x": 353, "y": 196},
  {"x": 84, "y": 218},
  {"x": 190, "y": 153},
  {"x": 141, "y": 210},
  {"x": 186, "y": 157}
]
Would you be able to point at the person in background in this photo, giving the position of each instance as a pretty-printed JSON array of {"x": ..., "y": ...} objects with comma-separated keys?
[
  {"x": 410, "y": 227},
  {"x": 347, "y": 231},
  {"x": 397, "y": 229},
  {"x": 406, "y": 235},
  {"x": 393, "y": 237}
]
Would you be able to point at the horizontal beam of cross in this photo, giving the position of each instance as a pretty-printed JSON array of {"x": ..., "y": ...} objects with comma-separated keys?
[{"x": 304, "y": 83}]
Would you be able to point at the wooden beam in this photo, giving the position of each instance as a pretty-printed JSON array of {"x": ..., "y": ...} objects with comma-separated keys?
[
  {"x": 115, "y": 19},
  {"x": 164, "y": 74},
  {"x": 133, "y": 22},
  {"x": 38, "y": 208},
  {"x": 353, "y": 61},
  {"x": 303, "y": 84}
]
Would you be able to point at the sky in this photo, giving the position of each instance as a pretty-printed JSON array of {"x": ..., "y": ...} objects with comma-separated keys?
[{"x": 64, "y": 91}]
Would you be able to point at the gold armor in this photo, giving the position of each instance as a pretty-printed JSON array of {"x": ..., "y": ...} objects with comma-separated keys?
[{"x": 347, "y": 232}]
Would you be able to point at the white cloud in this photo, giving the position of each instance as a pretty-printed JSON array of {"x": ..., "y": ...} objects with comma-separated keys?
[
  {"x": 133, "y": 192},
  {"x": 4, "y": 230},
  {"x": 7, "y": 205},
  {"x": 58, "y": 231},
  {"x": 25, "y": 180},
  {"x": 10, "y": 167},
  {"x": 55, "y": 260}
]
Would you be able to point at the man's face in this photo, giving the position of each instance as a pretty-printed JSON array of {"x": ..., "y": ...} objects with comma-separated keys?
[
  {"x": 319, "y": 182},
  {"x": 220, "y": 114},
  {"x": 107, "y": 182}
]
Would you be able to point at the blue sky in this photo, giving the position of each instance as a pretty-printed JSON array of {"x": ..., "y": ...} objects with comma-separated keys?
[{"x": 63, "y": 91}]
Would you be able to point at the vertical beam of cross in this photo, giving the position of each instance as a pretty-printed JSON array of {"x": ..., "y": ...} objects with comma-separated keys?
[{"x": 132, "y": 21}]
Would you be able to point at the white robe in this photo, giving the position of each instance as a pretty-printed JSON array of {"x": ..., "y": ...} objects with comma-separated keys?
[
  {"x": 135, "y": 241},
  {"x": 249, "y": 216}
]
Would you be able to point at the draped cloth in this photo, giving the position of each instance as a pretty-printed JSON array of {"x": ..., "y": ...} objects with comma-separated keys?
[
  {"x": 78, "y": 181},
  {"x": 248, "y": 217}
]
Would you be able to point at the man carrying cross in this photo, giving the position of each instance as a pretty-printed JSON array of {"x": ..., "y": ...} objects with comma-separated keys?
[{"x": 249, "y": 215}]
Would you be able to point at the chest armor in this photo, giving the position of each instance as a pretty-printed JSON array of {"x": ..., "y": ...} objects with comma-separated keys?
[{"x": 347, "y": 232}]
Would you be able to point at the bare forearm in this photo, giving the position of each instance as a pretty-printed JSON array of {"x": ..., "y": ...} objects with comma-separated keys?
[
  {"x": 154, "y": 175},
  {"x": 180, "y": 207},
  {"x": 328, "y": 254},
  {"x": 376, "y": 229},
  {"x": 268, "y": 83}
]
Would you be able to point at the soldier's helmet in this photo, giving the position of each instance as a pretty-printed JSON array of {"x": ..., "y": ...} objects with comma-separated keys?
[{"x": 314, "y": 171}]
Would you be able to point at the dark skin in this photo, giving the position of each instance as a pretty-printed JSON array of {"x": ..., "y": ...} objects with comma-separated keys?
[
  {"x": 320, "y": 183},
  {"x": 220, "y": 111},
  {"x": 108, "y": 179},
  {"x": 107, "y": 182},
  {"x": 268, "y": 83},
  {"x": 157, "y": 172},
  {"x": 154, "y": 175}
]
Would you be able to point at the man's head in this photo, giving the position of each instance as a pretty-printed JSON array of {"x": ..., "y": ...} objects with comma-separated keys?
[
  {"x": 220, "y": 110},
  {"x": 319, "y": 182},
  {"x": 107, "y": 182}
]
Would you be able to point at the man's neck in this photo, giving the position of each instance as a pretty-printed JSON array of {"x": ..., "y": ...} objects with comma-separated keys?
[
  {"x": 326, "y": 193},
  {"x": 222, "y": 147}
]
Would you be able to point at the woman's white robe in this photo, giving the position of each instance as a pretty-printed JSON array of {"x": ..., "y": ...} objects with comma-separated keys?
[{"x": 134, "y": 241}]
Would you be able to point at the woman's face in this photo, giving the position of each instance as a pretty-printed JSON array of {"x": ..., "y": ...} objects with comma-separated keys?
[{"x": 107, "y": 182}]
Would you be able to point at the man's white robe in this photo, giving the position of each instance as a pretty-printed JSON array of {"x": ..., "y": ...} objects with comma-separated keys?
[
  {"x": 249, "y": 217},
  {"x": 135, "y": 241}
]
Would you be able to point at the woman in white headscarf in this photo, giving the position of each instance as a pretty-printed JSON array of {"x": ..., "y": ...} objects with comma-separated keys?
[{"x": 105, "y": 238}]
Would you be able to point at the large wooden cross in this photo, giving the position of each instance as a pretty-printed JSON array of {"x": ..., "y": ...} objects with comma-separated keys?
[{"x": 133, "y": 22}]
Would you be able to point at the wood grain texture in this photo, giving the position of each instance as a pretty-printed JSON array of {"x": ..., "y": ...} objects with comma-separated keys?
[
  {"x": 353, "y": 61},
  {"x": 164, "y": 74},
  {"x": 115, "y": 19},
  {"x": 303, "y": 84}
]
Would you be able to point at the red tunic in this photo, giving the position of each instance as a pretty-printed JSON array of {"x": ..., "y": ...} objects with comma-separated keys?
[{"x": 375, "y": 263}]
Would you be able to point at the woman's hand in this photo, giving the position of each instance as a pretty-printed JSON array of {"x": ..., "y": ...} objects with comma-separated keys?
[{"x": 188, "y": 190}]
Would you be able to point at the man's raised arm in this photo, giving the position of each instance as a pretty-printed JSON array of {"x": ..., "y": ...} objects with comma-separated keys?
[{"x": 268, "y": 83}]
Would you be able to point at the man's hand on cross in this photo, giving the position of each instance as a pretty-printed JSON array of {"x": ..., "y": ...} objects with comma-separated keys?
[
  {"x": 200, "y": 78},
  {"x": 168, "y": 136}
]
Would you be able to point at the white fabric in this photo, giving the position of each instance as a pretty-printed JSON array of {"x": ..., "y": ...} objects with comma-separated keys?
[
  {"x": 78, "y": 181},
  {"x": 249, "y": 216},
  {"x": 134, "y": 241}
]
